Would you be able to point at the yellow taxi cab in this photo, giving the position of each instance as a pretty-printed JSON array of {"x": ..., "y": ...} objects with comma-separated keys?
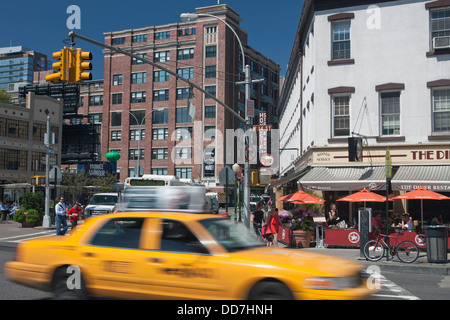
[{"x": 172, "y": 255}]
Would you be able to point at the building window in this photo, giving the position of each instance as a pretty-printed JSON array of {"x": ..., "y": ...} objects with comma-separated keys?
[
  {"x": 210, "y": 111},
  {"x": 184, "y": 94},
  {"x": 211, "y": 51},
  {"x": 15, "y": 129},
  {"x": 210, "y": 71},
  {"x": 183, "y": 133},
  {"x": 183, "y": 173},
  {"x": 116, "y": 119},
  {"x": 182, "y": 115},
  {"x": 116, "y": 135},
  {"x": 390, "y": 113},
  {"x": 161, "y": 95},
  {"x": 161, "y": 116},
  {"x": 13, "y": 159},
  {"x": 211, "y": 90},
  {"x": 95, "y": 101},
  {"x": 95, "y": 118},
  {"x": 117, "y": 41},
  {"x": 135, "y": 61},
  {"x": 441, "y": 110},
  {"x": 440, "y": 25},
  {"x": 160, "y": 76},
  {"x": 138, "y": 97},
  {"x": 187, "y": 73},
  {"x": 162, "y": 56},
  {"x": 116, "y": 98},
  {"x": 162, "y": 35},
  {"x": 137, "y": 118},
  {"x": 139, "y": 38},
  {"x": 160, "y": 154},
  {"x": 136, "y": 134},
  {"x": 183, "y": 153},
  {"x": 341, "y": 115},
  {"x": 341, "y": 40},
  {"x": 160, "y": 134},
  {"x": 134, "y": 154},
  {"x": 186, "y": 54},
  {"x": 159, "y": 171},
  {"x": 210, "y": 132},
  {"x": 117, "y": 79},
  {"x": 139, "y": 78}
]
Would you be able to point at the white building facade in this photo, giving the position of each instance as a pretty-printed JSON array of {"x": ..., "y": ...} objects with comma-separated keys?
[{"x": 379, "y": 70}]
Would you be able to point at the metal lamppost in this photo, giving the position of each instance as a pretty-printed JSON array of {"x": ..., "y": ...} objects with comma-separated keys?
[{"x": 236, "y": 169}]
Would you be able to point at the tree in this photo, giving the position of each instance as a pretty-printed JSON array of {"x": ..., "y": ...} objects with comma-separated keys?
[
  {"x": 105, "y": 184},
  {"x": 4, "y": 96},
  {"x": 74, "y": 184}
]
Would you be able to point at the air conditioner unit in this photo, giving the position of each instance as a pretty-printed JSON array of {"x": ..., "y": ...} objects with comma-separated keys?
[{"x": 441, "y": 42}]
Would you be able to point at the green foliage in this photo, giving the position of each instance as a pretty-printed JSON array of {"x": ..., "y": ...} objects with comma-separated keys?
[
  {"x": 4, "y": 96},
  {"x": 19, "y": 216},
  {"x": 32, "y": 200},
  {"x": 303, "y": 219},
  {"x": 34, "y": 216},
  {"x": 105, "y": 184}
]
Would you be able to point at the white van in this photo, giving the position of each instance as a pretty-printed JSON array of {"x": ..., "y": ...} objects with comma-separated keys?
[{"x": 101, "y": 203}]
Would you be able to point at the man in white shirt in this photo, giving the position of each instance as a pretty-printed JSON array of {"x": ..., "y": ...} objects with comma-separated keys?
[{"x": 61, "y": 210}]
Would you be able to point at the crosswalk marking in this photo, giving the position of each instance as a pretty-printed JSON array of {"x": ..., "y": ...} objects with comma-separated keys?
[
  {"x": 391, "y": 290},
  {"x": 24, "y": 237}
]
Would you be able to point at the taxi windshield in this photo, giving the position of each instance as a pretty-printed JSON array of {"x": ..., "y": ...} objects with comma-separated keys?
[{"x": 233, "y": 237}]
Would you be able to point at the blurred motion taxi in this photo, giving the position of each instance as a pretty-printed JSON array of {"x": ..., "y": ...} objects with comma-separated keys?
[{"x": 173, "y": 254}]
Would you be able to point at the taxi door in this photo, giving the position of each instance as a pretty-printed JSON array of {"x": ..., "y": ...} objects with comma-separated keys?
[
  {"x": 112, "y": 258},
  {"x": 180, "y": 266}
]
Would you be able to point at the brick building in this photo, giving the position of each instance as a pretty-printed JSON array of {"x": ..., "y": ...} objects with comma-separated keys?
[{"x": 176, "y": 139}]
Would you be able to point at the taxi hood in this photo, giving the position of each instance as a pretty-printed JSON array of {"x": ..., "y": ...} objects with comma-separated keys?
[{"x": 316, "y": 263}]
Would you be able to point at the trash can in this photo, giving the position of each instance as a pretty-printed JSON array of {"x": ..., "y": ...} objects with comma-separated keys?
[{"x": 436, "y": 238}]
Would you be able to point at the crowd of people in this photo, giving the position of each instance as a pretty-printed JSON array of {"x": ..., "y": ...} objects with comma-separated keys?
[{"x": 8, "y": 209}]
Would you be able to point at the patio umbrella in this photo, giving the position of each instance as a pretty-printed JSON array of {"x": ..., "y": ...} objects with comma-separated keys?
[
  {"x": 302, "y": 197},
  {"x": 283, "y": 198},
  {"x": 364, "y": 196},
  {"x": 422, "y": 193}
]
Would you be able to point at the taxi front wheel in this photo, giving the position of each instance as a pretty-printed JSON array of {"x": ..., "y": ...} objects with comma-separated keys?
[
  {"x": 67, "y": 285},
  {"x": 270, "y": 290}
]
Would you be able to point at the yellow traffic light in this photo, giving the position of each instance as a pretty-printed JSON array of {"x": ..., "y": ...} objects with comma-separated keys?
[
  {"x": 255, "y": 177},
  {"x": 62, "y": 66},
  {"x": 81, "y": 66},
  {"x": 38, "y": 181}
]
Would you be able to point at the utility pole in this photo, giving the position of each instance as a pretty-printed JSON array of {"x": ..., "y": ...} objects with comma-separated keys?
[{"x": 47, "y": 221}]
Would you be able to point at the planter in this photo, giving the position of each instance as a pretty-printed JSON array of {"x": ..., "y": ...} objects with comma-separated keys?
[
  {"x": 26, "y": 224},
  {"x": 302, "y": 238}
]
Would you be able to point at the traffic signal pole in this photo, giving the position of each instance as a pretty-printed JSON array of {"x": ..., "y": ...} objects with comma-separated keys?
[{"x": 72, "y": 34}]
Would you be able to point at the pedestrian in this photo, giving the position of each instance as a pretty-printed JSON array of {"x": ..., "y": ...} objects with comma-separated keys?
[
  {"x": 61, "y": 210},
  {"x": 274, "y": 223},
  {"x": 14, "y": 208},
  {"x": 74, "y": 214},
  {"x": 257, "y": 219}
]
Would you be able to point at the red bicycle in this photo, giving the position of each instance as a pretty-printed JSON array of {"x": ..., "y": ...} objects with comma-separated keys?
[{"x": 406, "y": 250}]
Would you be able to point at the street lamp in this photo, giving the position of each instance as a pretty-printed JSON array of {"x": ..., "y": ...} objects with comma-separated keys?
[
  {"x": 140, "y": 124},
  {"x": 192, "y": 17}
]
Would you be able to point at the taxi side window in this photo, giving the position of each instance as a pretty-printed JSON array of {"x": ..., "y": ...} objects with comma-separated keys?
[
  {"x": 119, "y": 233},
  {"x": 176, "y": 237}
]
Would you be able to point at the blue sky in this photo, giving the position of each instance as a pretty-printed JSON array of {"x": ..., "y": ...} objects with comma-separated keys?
[{"x": 41, "y": 25}]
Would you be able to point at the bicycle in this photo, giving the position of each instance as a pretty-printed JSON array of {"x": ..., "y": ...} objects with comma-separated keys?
[{"x": 406, "y": 250}]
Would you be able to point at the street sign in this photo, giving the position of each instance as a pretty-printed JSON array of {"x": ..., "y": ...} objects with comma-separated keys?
[
  {"x": 266, "y": 160},
  {"x": 388, "y": 164},
  {"x": 227, "y": 170},
  {"x": 250, "y": 108}
]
